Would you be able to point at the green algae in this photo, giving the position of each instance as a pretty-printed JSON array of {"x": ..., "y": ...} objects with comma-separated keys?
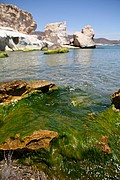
[
  {"x": 3, "y": 55},
  {"x": 54, "y": 51},
  {"x": 74, "y": 154}
]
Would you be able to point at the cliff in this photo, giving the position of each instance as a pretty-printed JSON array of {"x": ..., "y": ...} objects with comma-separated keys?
[{"x": 12, "y": 16}]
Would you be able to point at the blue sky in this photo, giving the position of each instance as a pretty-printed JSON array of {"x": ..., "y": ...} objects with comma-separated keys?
[{"x": 102, "y": 15}]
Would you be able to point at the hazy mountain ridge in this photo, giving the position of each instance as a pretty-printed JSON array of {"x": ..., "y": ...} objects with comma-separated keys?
[{"x": 106, "y": 41}]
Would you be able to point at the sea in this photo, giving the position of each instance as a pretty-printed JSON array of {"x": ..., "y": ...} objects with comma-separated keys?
[
  {"x": 94, "y": 70},
  {"x": 86, "y": 77}
]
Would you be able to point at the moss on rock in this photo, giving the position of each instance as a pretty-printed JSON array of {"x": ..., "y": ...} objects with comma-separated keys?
[
  {"x": 3, "y": 55},
  {"x": 59, "y": 50}
]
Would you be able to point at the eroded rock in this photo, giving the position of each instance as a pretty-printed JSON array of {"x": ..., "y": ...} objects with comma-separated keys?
[
  {"x": 39, "y": 139},
  {"x": 14, "y": 17},
  {"x": 12, "y": 39},
  {"x": 56, "y": 33},
  {"x": 84, "y": 39},
  {"x": 18, "y": 89}
]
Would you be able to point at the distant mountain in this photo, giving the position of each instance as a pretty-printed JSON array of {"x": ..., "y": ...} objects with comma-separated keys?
[
  {"x": 98, "y": 41},
  {"x": 106, "y": 41}
]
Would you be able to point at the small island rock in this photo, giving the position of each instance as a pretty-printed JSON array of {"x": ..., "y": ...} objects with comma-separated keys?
[{"x": 84, "y": 39}]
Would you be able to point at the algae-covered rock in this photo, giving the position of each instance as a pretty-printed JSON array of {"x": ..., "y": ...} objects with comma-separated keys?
[
  {"x": 57, "y": 50},
  {"x": 88, "y": 144},
  {"x": 18, "y": 89},
  {"x": 3, "y": 55}
]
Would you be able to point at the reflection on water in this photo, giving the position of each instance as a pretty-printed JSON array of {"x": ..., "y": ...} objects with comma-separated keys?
[
  {"x": 55, "y": 59},
  {"x": 96, "y": 68},
  {"x": 83, "y": 56}
]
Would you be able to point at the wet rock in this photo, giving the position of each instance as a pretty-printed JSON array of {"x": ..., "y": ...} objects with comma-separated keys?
[
  {"x": 116, "y": 99},
  {"x": 13, "y": 88},
  {"x": 39, "y": 139},
  {"x": 18, "y": 89}
]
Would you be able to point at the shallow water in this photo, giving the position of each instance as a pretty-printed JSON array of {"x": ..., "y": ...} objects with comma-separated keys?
[
  {"x": 95, "y": 71},
  {"x": 87, "y": 78}
]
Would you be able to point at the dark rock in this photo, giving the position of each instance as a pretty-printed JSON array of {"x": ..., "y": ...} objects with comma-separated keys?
[{"x": 116, "y": 99}]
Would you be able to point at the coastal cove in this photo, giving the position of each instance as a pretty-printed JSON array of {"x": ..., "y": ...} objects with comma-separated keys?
[{"x": 80, "y": 111}]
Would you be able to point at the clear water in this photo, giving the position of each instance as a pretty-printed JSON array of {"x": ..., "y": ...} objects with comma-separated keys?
[{"x": 96, "y": 71}]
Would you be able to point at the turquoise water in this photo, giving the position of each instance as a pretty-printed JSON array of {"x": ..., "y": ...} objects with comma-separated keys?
[{"x": 87, "y": 78}]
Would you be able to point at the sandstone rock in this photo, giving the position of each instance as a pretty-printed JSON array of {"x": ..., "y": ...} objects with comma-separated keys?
[
  {"x": 56, "y": 33},
  {"x": 103, "y": 145},
  {"x": 116, "y": 99},
  {"x": 15, "y": 90},
  {"x": 39, "y": 139},
  {"x": 12, "y": 16},
  {"x": 84, "y": 39}
]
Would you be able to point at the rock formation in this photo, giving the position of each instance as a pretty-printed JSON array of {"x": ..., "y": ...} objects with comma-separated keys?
[
  {"x": 116, "y": 99},
  {"x": 84, "y": 39},
  {"x": 12, "y": 16},
  {"x": 56, "y": 33},
  {"x": 39, "y": 139},
  {"x": 18, "y": 89},
  {"x": 18, "y": 41}
]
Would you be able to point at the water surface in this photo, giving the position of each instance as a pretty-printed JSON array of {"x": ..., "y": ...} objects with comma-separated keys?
[{"x": 87, "y": 78}]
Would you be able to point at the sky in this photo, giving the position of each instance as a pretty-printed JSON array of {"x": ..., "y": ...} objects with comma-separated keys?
[{"x": 102, "y": 15}]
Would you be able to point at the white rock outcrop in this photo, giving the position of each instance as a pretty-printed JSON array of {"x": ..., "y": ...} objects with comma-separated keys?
[
  {"x": 12, "y": 16},
  {"x": 84, "y": 39},
  {"x": 10, "y": 38},
  {"x": 56, "y": 33}
]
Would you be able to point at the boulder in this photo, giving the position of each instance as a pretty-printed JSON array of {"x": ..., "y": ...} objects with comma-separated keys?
[
  {"x": 116, "y": 99},
  {"x": 12, "y": 16},
  {"x": 17, "y": 89},
  {"x": 56, "y": 33},
  {"x": 84, "y": 39}
]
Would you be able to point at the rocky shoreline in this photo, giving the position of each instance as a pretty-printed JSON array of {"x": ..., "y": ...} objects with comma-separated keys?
[{"x": 18, "y": 37}]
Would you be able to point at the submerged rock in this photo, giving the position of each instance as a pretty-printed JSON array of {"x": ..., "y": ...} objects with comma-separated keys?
[
  {"x": 57, "y": 50},
  {"x": 84, "y": 39},
  {"x": 39, "y": 139},
  {"x": 18, "y": 89},
  {"x": 116, "y": 99}
]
